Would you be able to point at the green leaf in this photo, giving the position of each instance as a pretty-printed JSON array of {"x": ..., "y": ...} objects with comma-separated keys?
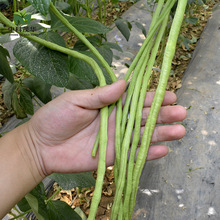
[
  {"x": 78, "y": 84},
  {"x": 8, "y": 89},
  {"x": 23, "y": 205},
  {"x": 5, "y": 69},
  {"x": 41, "y": 5},
  {"x": 82, "y": 24},
  {"x": 58, "y": 210},
  {"x": 71, "y": 180},
  {"x": 36, "y": 199},
  {"x": 80, "y": 46},
  {"x": 19, "y": 111},
  {"x": 62, "y": 5},
  {"x": 84, "y": 71},
  {"x": 39, "y": 88},
  {"x": 112, "y": 46},
  {"x": 33, "y": 202},
  {"x": 191, "y": 20},
  {"x": 80, "y": 213},
  {"x": 48, "y": 65},
  {"x": 53, "y": 37},
  {"x": 107, "y": 55},
  {"x": 142, "y": 28},
  {"x": 184, "y": 41},
  {"x": 114, "y": 1},
  {"x": 123, "y": 27},
  {"x": 26, "y": 100}
]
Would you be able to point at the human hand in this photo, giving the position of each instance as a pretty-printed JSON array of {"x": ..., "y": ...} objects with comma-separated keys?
[{"x": 64, "y": 130}]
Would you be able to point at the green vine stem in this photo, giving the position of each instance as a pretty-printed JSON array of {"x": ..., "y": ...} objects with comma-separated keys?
[
  {"x": 57, "y": 191},
  {"x": 21, "y": 215}
]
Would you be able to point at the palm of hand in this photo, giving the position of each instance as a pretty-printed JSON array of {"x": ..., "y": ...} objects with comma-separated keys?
[
  {"x": 66, "y": 139},
  {"x": 65, "y": 129}
]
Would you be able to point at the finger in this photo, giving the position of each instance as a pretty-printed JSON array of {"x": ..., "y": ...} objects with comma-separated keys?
[
  {"x": 98, "y": 97},
  {"x": 168, "y": 133},
  {"x": 167, "y": 114},
  {"x": 169, "y": 98},
  {"x": 157, "y": 151}
]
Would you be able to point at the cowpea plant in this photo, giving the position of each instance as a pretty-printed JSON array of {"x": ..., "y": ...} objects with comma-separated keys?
[{"x": 94, "y": 59}]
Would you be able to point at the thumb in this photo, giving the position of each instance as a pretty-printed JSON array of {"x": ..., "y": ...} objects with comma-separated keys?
[{"x": 100, "y": 96}]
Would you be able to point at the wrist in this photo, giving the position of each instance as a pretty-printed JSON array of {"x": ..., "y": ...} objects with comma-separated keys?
[
  {"x": 19, "y": 167},
  {"x": 29, "y": 152}
]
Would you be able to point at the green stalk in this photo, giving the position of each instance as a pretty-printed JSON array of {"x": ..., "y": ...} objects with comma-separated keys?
[
  {"x": 21, "y": 215},
  {"x": 57, "y": 191},
  {"x": 159, "y": 95},
  {"x": 15, "y": 5}
]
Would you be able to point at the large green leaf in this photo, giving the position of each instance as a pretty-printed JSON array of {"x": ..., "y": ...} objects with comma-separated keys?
[
  {"x": 53, "y": 37},
  {"x": 71, "y": 180},
  {"x": 33, "y": 202},
  {"x": 85, "y": 72},
  {"x": 114, "y": 46},
  {"x": 25, "y": 100},
  {"x": 58, "y": 210},
  {"x": 36, "y": 199},
  {"x": 23, "y": 205},
  {"x": 18, "y": 109},
  {"x": 78, "y": 84},
  {"x": 8, "y": 89},
  {"x": 124, "y": 27},
  {"x": 39, "y": 88},
  {"x": 82, "y": 24},
  {"x": 41, "y": 5},
  {"x": 5, "y": 69},
  {"x": 48, "y": 65},
  {"x": 142, "y": 28},
  {"x": 80, "y": 46}
]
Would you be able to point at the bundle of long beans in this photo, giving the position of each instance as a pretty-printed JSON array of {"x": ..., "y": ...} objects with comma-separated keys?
[{"x": 128, "y": 119}]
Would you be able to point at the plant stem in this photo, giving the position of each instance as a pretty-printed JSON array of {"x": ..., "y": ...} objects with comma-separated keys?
[
  {"x": 37, "y": 101},
  {"x": 15, "y": 5},
  {"x": 57, "y": 191},
  {"x": 21, "y": 215}
]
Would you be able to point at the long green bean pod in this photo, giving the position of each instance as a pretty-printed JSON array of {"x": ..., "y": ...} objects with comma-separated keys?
[
  {"x": 136, "y": 136},
  {"x": 159, "y": 95}
]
